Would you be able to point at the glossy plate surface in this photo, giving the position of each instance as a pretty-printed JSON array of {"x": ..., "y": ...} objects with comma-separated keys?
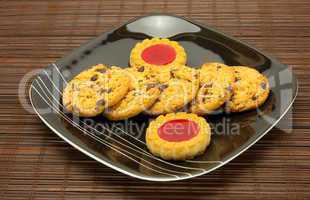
[{"x": 121, "y": 145}]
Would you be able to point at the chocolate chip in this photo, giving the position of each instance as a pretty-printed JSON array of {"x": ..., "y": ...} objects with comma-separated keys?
[
  {"x": 163, "y": 87},
  {"x": 208, "y": 85},
  {"x": 205, "y": 99},
  {"x": 172, "y": 74},
  {"x": 150, "y": 86},
  {"x": 100, "y": 102},
  {"x": 105, "y": 91},
  {"x": 94, "y": 77},
  {"x": 141, "y": 69},
  {"x": 101, "y": 91},
  {"x": 254, "y": 97},
  {"x": 218, "y": 67},
  {"x": 263, "y": 85},
  {"x": 232, "y": 97},
  {"x": 237, "y": 79},
  {"x": 101, "y": 70},
  {"x": 109, "y": 90}
]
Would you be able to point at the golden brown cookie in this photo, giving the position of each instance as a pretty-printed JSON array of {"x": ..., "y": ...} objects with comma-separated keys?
[
  {"x": 216, "y": 81},
  {"x": 157, "y": 54},
  {"x": 179, "y": 86},
  {"x": 99, "y": 84},
  {"x": 178, "y": 136},
  {"x": 87, "y": 100},
  {"x": 250, "y": 90},
  {"x": 144, "y": 92},
  {"x": 82, "y": 76}
]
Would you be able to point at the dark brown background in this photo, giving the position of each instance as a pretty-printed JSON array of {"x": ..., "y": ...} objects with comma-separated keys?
[{"x": 36, "y": 164}]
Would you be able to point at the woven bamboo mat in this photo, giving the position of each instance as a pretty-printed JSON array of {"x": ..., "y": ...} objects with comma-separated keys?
[{"x": 36, "y": 164}]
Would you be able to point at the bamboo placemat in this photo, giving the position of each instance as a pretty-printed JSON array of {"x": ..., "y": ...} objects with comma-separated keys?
[{"x": 36, "y": 164}]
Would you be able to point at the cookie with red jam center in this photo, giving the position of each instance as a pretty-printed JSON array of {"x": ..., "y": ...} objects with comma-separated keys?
[
  {"x": 157, "y": 53},
  {"x": 178, "y": 136}
]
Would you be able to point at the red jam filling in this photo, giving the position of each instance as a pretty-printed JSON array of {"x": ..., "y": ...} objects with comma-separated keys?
[
  {"x": 178, "y": 130},
  {"x": 159, "y": 54}
]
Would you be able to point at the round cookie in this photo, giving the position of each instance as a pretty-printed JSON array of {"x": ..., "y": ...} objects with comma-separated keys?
[
  {"x": 86, "y": 99},
  {"x": 178, "y": 136},
  {"x": 215, "y": 81},
  {"x": 250, "y": 89},
  {"x": 105, "y": 85},
  {"x": 115, "y": 84},
  {"x": 144, "y": 92},
  {"x": 82, "y": 76},
  {"x": 179, "y": 86},
  {"x": 157, "y": 53}
]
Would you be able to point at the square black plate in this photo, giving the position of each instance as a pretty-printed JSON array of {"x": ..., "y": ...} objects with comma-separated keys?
[{"x": 121, "y": 145}]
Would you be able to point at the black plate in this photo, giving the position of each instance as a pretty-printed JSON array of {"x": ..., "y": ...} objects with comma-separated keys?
[{"x": 121, "y": 145}]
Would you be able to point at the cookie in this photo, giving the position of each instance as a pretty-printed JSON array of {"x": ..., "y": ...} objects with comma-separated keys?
[
  {"x": 87, "y": 100},
  {"x": 178, "y": 136},
  {"x": 114, "y": 85},
  {"x": 157, "y": 54},
  {"x": 144, "y": 92},
  {"x": 83, "y": 76},
  {"x": 95, "y": 89},
  {"x": 249, "y": 91},
  {"x": 179, "y": 86},
  {"x": 215, "y": 82}
]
